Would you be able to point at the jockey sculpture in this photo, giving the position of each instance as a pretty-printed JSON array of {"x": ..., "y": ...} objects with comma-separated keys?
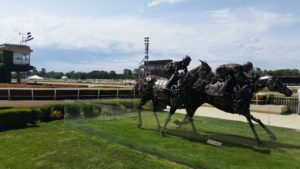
[
  {"x": 234, "y": 74},
  {"x": 174, "y": 68}
]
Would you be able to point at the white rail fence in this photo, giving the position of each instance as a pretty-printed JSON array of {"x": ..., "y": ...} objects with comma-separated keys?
[
  {"x": 62, "y": 93},
  {"x": 290, "y": 102}
]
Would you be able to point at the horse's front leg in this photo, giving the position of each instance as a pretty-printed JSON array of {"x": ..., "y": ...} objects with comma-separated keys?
[
  {"x": 248, "y": 117},
  {"x": 142, "y": 102},
  {"x": 172, "y": 111},
  {"x": 270, "y": 133}
]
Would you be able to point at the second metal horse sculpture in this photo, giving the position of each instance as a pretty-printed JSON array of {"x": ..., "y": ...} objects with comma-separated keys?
[{"x": 227, "y": 103}]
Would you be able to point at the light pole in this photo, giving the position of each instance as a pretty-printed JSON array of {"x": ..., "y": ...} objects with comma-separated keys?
[{"x": 146, "y": 54}]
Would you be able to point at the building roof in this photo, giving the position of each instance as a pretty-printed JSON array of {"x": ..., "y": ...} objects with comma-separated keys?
[
  {"x": 158, "y": 62},
  {"x": 15, "y": 48}
]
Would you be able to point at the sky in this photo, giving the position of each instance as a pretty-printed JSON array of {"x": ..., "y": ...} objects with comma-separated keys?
[{"x": 86, "y": 35}]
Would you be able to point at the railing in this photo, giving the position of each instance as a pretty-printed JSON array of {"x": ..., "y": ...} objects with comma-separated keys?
[
  {"x": 290, "y": 102},
  {"x": 62, "y": 93}
]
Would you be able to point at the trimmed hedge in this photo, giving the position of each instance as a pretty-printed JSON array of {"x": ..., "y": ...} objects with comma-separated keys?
[
  {"x": 11, "y": 118},
  {"x": 73, "y": 110},
  {"x": 133, "y": 103},
  {"x": 17, "y": 117},
  {"x": 51, "y": 112},
  {"x": 90, "y": 110}
]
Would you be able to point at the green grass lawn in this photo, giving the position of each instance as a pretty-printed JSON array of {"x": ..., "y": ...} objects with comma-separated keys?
[
  {"x": 52, "y": 145},
  {"x": 98, "y": 143},
  {"x": 239, "y": 148}
]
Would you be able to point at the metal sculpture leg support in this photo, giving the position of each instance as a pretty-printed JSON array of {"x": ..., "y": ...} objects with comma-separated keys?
[
  {"x": 253, "y": 129},
  {"x": 172, "y": 111},
  {"x": 270, "y": 133},
  {"x": 155, "y": 106}
]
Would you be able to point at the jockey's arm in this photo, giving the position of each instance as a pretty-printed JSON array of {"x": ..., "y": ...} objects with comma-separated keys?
[{"x": 185, "y": 70}]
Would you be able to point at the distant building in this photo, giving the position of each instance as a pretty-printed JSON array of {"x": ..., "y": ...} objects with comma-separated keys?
[
  {"x": 14, "y": 58},
  {"x": 155, "y": 67}
]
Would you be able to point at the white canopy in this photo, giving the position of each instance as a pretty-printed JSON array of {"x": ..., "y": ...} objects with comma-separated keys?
[
  {"x": 64, "y": 77},
  {"x": 35, "y": 77}
]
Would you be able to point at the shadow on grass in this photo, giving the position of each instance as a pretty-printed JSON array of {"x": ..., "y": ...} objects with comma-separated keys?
[{"x": 229, "y": 140}]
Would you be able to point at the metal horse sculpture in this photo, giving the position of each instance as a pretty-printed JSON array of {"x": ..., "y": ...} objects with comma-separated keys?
[
  {"x": 227, "y": 103},
  {"x": 152, "y": 88}
]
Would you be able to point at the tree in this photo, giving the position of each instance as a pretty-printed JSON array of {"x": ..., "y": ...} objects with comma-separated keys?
[
  {"x": 42, "y": 72},
  {"x": 35, "y": 71},
  {"x": 54, "y": 75},
  {"x": 112, "y": 74},
  {"x": 127, "y": 74}
]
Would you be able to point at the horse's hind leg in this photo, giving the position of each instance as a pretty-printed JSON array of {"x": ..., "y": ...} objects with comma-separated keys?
[
  {"x": 248, "y": 117},
  {"x": 172, "y": 111},
  {"x": 270, "y": 133},
  {"x": 155, "y": 107},
  {"x": 142, "y": 102}
]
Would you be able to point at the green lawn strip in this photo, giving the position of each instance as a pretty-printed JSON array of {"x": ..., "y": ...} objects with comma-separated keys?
[
  {"x": 239, "y": 148},
  {"x": 52, "y": 145}
]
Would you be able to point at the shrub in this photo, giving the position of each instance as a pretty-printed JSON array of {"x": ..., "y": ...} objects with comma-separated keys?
[
  {"x": 90, "y": 110},
  {"x": 133, "y": 103},
  {"x": 17, "y": 117},
  {"x": 106, "y": 111},
  {"x": 56, "y": 115},
  {"x": 72, "y": 110},
  {"x": 45, "y": 114}
]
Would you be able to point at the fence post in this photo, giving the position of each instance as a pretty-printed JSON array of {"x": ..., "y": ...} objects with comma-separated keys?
[
  {"x": 78, "y": 90},
  {"x": 54, "y": 94},
  {"x": 32, "y": 97},
  {"x": 8, "y": 91},
  {"x": 98, "y": 94},
  {"x": 117, "y": 94}
]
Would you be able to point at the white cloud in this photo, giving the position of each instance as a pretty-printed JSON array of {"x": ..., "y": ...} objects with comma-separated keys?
[
  {"x": 224, "y": 36},
  {"x": 158, "y": 2}
]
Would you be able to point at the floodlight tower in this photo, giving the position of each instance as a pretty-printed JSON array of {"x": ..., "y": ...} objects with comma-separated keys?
[{"x": 146, "y": 54}]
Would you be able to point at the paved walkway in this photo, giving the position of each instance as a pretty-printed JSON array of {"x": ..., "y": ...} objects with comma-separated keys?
[{"x": 287, "y": 121}]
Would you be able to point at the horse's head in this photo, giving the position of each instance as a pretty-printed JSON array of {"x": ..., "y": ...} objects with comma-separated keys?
[
  {"x": 274, "y": 84},
  {"x": 204, "y": 69}
]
